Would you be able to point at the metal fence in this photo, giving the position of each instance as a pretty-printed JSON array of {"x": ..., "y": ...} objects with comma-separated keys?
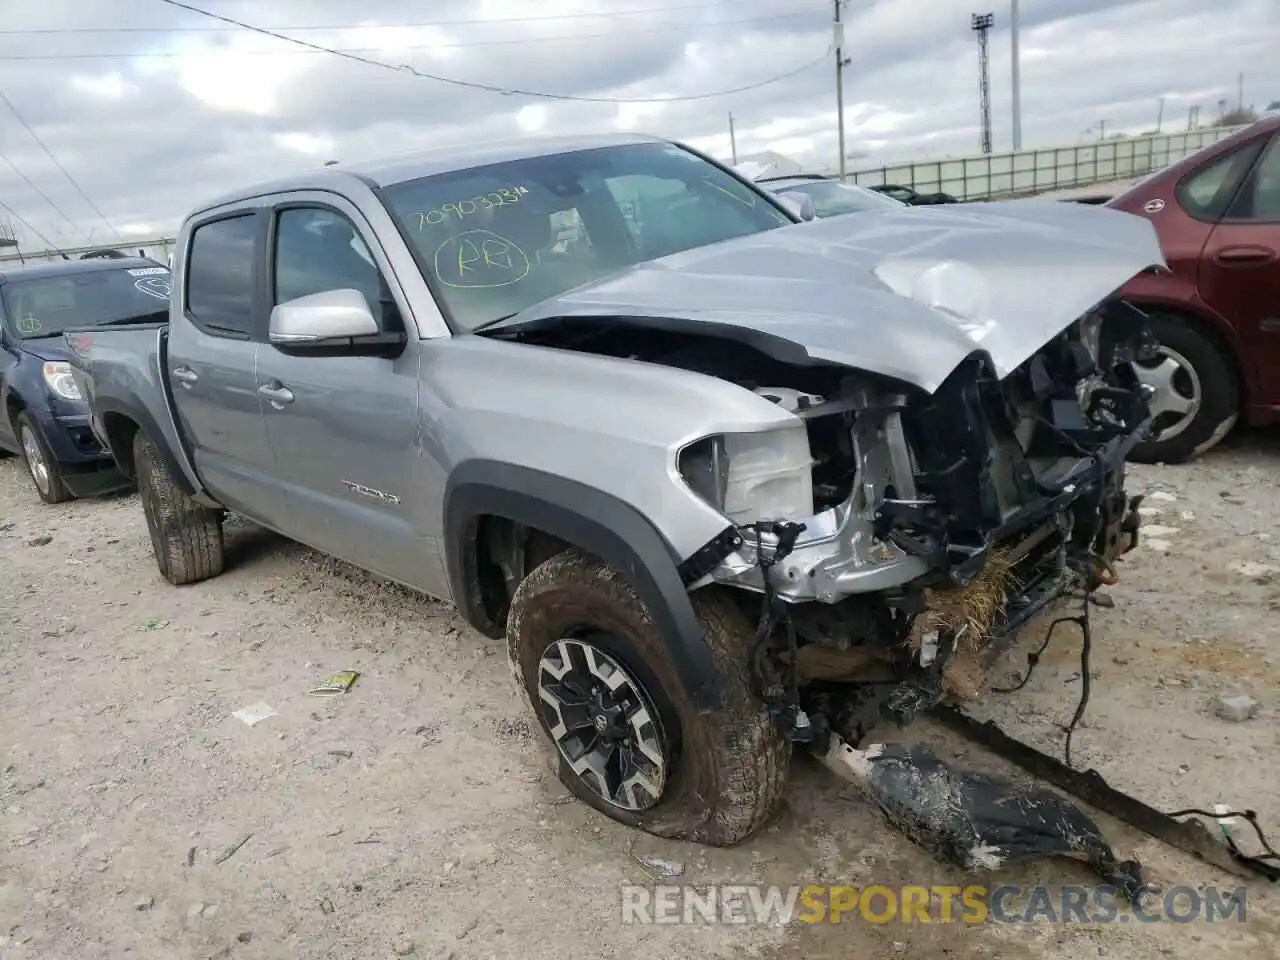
[{"x": 988, "y": 176}]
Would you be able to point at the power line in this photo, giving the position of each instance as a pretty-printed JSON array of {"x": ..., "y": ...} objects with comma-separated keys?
[
  {"x": 354, "y": 26},
  {"x": 523, "y": 41},
  {"x": 490, "y": 87},
  {"x": 70, "y": 179},
  {"x": 32, "y": 184},
  {"x": 26, "y": 223}
]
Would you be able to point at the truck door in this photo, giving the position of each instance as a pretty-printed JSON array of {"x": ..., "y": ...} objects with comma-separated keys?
[
  {"x": 213, "y": 352},
  {"x": 1240, "y": 270},
  {"x": 345, "y": 427}
]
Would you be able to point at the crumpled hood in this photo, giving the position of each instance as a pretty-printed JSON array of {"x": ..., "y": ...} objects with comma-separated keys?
[
  {"x": 904, "y": 293},
  {"x": 50, "y": 350}
]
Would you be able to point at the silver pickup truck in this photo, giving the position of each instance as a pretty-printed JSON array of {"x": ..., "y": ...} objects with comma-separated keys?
[{"x": 726, "y": 480}]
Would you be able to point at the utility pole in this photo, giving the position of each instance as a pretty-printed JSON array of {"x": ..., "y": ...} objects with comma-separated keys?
[
  {"x": 1240, "y": 92},
  {"x": 981, "y": 24},
  {"x": 841, "y": 63},
  {"x": 733, "y": 141},
  {"x": 1102, "y": 129},
  {"x": 1016, "y": 74},
  {"x": 1160, "y": 116}
]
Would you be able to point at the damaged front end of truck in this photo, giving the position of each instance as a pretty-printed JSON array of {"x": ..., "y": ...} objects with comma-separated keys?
[
  {"x": 950, "y": 520},
  {"x": 959, "y": 398}
]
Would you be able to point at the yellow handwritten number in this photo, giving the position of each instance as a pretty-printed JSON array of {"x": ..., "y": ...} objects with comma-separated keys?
[{"x": 465, "y": 208}]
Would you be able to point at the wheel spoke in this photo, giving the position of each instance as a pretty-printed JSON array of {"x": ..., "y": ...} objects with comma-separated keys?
[
  {"x": 1173, "y": 402},
  {"x": 1161, "y": 375}
]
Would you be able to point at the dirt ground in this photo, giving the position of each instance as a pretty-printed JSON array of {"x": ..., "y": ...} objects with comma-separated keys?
[{"x": 415, "y": 815}]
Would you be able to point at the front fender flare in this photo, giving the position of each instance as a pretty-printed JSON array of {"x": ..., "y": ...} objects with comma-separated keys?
[{"x": 597, "y": 523}]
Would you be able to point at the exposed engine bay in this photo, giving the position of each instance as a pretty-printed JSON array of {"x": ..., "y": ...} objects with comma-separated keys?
[{"x": 898, "y": 540}]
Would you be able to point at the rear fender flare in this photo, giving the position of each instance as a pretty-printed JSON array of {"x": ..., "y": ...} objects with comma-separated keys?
[
  {"x": 593, "y": 521},
  {"x": 145, "y": 422}
]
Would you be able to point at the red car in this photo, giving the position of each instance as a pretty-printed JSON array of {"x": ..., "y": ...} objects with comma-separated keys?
[{"x": 1217, "y": 313}]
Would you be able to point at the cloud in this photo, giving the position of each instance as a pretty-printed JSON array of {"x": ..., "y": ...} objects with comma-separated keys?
[{"x": 152, "y": 109}]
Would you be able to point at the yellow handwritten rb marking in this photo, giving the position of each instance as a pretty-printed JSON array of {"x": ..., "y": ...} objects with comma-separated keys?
[
  {"x": 480, "y": 258},
  {"x": 467, "y": 255},
  {"x": 497, "y": 253}
]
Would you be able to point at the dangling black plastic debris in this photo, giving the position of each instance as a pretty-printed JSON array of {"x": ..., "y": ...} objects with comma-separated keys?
[{"x": 974, "y": 820}]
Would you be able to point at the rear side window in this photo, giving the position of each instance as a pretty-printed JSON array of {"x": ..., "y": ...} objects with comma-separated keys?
[
  {"x": 1207, "y": 192},
  {"x": 220, "y": 276}
]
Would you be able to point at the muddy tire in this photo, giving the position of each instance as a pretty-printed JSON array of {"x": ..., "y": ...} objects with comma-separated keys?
[
  {"x": 723, "y": 772},
  {"x": 45, "y": 472},
  {"x": 1196, "y": 385},
  {"x": 186, "y": 537}
]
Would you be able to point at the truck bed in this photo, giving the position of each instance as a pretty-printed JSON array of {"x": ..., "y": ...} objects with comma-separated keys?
[{"x": 121, "y": 371}]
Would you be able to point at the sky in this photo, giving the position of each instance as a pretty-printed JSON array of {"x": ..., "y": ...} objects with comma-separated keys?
[{"x": 118, "y": 117}]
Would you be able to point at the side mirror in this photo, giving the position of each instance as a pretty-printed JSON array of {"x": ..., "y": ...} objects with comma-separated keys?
[
  {"x": 333, "y": 322},
  {"x": 801, "y": 204}
]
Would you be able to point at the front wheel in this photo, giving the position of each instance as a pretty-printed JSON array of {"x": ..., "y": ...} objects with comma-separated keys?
[
  {"x": 185, "y": 536},
  {"x": 1194, "y": 392},
  {"x": 44, "y": 470},
  {"x": 628, "y": 740}
]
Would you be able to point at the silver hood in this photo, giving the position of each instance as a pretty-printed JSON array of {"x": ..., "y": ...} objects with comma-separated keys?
[{"x": 904, "y": 293}]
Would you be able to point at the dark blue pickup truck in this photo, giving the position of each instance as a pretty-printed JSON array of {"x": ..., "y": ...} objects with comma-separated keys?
[{"x": 43, "y": 417}]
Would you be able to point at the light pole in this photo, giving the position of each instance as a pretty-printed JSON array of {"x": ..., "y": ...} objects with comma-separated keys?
[
  {"x": 981, "y": 24},
  {"x": 840, "y": 65},
  {"x": 1017, "y": 75}
]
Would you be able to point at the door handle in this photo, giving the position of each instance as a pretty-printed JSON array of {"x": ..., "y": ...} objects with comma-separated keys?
[
  {"x": 185, "y": 375},
  {"x": 1244, "y": 255},
  {"x": 278, "y": 394}
]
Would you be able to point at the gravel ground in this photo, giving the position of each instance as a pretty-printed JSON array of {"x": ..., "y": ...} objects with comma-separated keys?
[{"x": 414, "y": 816}]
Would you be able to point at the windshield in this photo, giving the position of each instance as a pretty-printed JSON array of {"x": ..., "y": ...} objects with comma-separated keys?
[
  {"x": 499, "y": 238},
  {"x": 832, "y": 198},
  {"x": 46, "y": 306}
]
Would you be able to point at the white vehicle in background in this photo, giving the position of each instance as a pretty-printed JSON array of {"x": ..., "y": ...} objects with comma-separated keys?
[{"x": 831, "y": 198}]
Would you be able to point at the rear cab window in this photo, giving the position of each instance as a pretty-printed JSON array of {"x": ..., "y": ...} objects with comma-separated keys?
[{"x": 47, "y": 306}]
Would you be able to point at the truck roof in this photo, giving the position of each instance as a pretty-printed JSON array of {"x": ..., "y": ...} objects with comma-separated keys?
[
  {"x": 61, "y": 268},
  {"x": 399, "y": 168}
]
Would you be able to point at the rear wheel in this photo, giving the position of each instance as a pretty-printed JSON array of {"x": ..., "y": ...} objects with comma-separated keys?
[
  {"x": 185, "y": 536},
  {"x": 44, "y": 470},
  {"x": 627, "y": 739},
  {"x": 1195, "y": 392}
]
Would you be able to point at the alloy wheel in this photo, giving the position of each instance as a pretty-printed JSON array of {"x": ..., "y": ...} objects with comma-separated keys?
[
  {"x": 1175, "y": 392},
  {"x": 36, "y": 462},
  {"x": 603, "y": 723}
]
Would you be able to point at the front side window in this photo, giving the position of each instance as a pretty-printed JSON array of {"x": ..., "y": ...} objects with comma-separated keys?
[
  {"x": 220, "y": 275},
  {"x": 47, "y": 306},
  {"x": 499, "y": 238},
  {"x": 317, "y": 250}
]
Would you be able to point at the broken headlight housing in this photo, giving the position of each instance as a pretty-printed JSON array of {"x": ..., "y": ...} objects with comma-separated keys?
[
  {"x": 766, "y": 475},
  {"x": 1090, "y": 328}
]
